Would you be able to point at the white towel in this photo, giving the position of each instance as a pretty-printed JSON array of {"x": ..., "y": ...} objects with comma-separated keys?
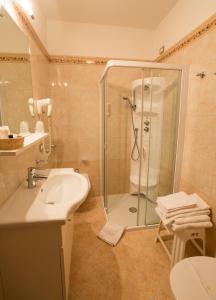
[
  {"x": 191, "y": 225},
  {"x": 205, "y": 212},
  {"x": 168, "y": 220},
  {"x": 176, "y": 201},
  {"x": 200, "y": 205},
  {"x": 193, "y": 219},
  {"x": 111, "y": 233}
]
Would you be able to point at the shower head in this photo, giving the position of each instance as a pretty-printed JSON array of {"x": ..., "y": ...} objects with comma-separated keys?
[{"x": 132, "y": 106}]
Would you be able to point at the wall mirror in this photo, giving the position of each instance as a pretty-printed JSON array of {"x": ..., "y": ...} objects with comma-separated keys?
[{"x": 15, "y": 75}]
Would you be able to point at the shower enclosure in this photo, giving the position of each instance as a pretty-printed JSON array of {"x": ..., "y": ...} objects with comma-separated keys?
[{"x": 142, "y": 127}]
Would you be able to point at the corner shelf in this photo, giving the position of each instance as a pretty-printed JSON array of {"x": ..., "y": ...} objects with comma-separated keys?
[{"x": 29, "y": 141}]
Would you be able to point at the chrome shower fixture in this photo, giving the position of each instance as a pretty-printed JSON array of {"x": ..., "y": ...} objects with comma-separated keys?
[
  {"x": 201, "y": 74},
  {"x": 135, "y": 131},
  {"x": 132, "y": 106}
]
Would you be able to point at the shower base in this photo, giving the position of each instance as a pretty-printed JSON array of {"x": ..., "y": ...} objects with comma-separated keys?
[{"x": 119, "y": 206}]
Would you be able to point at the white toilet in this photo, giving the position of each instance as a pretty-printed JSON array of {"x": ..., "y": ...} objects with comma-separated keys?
[{"x": 194, "y": 278}]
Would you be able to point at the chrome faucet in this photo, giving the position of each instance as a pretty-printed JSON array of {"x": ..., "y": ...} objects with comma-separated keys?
[{"x": 32, "y": 177}]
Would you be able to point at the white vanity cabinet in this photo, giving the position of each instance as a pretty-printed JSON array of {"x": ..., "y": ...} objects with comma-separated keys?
[
  {"x": 36, "y": 232},
  {"x": 35, "y": 261}
]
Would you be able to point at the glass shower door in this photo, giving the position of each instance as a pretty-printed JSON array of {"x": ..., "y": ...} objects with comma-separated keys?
[
  {"x": 121, "y": 151},
  {"x": 141, "y": 110},
  {"x": 145, "y": 173},
  {"x": 160, "y": 120}
]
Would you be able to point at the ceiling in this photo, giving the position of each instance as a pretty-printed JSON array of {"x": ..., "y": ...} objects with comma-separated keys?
[{"x": 127, "y": 13}]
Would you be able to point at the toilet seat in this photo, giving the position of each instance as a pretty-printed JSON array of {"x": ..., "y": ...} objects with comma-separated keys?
[{"x": 194, "y": 278}]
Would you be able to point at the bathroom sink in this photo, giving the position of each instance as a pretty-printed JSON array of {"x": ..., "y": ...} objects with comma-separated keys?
[
  {"x": 53, "y": 199},
  {"x": 64, "y": 188}
]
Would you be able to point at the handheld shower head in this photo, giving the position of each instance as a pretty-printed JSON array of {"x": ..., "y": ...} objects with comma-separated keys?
[{"x": 132, "y": 106}]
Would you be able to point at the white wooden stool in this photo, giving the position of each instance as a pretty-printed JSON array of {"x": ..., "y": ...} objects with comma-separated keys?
[{"x": 180, "y": 239}]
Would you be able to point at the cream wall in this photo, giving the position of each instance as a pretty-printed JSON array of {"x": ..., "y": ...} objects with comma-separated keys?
[
  {"x": 14, "y": 40},
  {"x": 76, "y": 119},
  {"x": 199, "y": 158},
  {"x": 82, "y": 39},
  {"x": 39, "y": 22},
  {"x": 184, "y": 17}
]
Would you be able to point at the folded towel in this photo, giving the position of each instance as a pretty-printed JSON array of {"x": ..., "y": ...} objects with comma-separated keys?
[
  {"x": 200, "y": 205},
  {"x": 205, "y": 212},
  {"x": 191, "y": 225},
  {"x": 193, "y": 219},
  {"x": 176, "y": 201},
  {"x": 111, "y": 233},
  {"x": 169, "y": 220}
]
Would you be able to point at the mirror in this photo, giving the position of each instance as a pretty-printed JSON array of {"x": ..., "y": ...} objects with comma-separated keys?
[{"x": 15, "y": 76}]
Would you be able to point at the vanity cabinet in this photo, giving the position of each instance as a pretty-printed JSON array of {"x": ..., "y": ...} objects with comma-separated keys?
[{"x": 35, "y": 261}]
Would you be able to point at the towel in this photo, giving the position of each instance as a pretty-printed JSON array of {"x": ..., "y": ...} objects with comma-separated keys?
[
  {"x": 111, "y": 233},
  {"x": 168, "y": 220},
  {"x": 200, "y": 205},
  {"x": 193, "y": 219},
  {"x": 205, "y": 212},
  {"x": 191, "y": 225},
  {"x": 176, "y": 201}
]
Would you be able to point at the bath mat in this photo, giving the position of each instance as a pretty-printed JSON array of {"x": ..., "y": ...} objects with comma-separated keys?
[{"x": 111, "y": 233}]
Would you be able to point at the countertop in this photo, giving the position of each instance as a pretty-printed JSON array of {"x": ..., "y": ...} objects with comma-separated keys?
[{"x": 24, "y": 206}]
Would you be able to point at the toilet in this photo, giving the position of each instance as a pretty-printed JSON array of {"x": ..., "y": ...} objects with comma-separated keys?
[{"x": 194, "y": 278}]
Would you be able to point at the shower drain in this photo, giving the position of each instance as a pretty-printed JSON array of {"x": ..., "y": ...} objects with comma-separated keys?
[{"x": 133, "y": 209}]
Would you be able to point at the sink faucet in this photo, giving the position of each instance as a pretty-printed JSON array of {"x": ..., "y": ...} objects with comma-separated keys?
[{"x": 32, "y": 177}]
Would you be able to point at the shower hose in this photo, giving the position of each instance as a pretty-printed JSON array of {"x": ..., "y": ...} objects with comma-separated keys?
[{"x": 135, "y": 148}]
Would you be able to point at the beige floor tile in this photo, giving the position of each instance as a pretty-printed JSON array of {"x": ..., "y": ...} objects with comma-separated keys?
[{"x": 137, "y": 268}]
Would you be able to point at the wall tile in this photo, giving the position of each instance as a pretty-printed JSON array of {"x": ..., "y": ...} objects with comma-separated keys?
[{"x": 199, "y": 159}]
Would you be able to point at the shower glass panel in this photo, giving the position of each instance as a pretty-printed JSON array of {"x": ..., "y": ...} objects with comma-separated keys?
[
  {"x": 122, "y": 145},
  {"x": 160, "y": 119},
  {"x": 141, "y": 108}
]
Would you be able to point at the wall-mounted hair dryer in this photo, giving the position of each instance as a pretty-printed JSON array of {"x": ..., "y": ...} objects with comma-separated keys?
[
  {"x": 37, "y": 106},
  {"x": 42, "y": 103}
]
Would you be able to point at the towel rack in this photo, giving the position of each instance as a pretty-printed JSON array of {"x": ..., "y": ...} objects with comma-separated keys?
[{"x": 201, "y": 74}]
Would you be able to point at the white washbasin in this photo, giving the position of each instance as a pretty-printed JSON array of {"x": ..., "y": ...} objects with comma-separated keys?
[
  {"x": 53, "y": 199},
  {"x": 64, "y": 188}
]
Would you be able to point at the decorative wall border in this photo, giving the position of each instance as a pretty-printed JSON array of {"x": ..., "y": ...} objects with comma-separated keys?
[
  {"x": 18, "y": 58},
  {"x": 86, "y": 60},
  {"x": 78, "y": 60},
  {"x": 189, "y": 38}
]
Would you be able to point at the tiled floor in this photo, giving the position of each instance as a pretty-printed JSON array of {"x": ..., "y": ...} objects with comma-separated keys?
[{"x": 136, "y": 269}]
